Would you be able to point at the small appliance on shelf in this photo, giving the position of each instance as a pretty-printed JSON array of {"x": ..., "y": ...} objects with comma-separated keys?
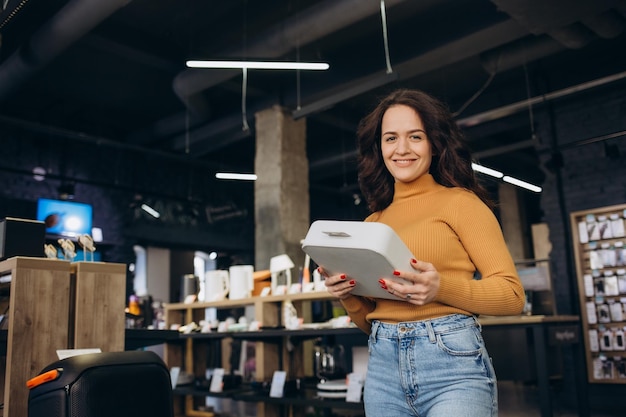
[{"x": 336, "y": 388}]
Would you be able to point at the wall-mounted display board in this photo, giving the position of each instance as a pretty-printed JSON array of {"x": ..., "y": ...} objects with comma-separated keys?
[{"x": 600, "y": 256}]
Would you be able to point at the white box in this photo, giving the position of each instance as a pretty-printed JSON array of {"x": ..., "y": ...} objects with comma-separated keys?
[{"x": 364, "y": 251}]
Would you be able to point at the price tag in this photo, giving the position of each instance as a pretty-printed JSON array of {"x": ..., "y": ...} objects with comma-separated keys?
[
  {"x": 217, "y": 380},
  {"x": 68, "y": 353},
  {"x": 355, "y": 387},
  {"x": 278, "y": 384},
  {"x": 174, "y": 373}
]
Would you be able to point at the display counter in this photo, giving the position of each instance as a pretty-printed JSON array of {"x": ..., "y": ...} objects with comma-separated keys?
[{"x": 543, "y": 333}]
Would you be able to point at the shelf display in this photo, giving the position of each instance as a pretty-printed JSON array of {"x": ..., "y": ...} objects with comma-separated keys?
[
  {"x": 276, "y": 348},
  {"x": 600, "y": 255},
  {"x": 279, "y": 348}
]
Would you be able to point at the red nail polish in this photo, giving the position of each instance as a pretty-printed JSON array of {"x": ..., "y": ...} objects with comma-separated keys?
[
  {"x": 352, "y": 282},
  {"x": 396, "y": 272},
  {"x": 343, "y": 276},
  {"x": 319, "y": 269},
  {"x": 414, "y": 261},
  {"x": 383, "y": 286},
  {"x": 381, "y": 281}
]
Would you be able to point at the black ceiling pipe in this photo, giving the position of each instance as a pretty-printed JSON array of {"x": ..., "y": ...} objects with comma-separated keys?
[{"x": 69, "y": 24}]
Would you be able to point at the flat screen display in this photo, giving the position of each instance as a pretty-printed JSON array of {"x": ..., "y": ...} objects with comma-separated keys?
[{"x": 65, "y": 218}]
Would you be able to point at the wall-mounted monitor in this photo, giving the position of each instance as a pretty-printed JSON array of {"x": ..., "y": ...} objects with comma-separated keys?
[{"x": 65, "y": 218}]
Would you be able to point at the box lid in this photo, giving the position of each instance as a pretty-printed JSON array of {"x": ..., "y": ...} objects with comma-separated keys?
[{"x": 364, "y": 251}]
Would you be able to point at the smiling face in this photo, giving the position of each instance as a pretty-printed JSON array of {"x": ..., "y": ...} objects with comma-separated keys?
[{"x": 405, "y": 147}]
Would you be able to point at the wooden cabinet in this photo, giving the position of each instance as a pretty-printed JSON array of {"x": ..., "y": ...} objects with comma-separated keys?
[
  {"x": 52, "y": 304},
  {"x": 37, "y": 309},
  {"x": 600, "y": 256},
  {"x": 98, "y": 302},
  {"x": 275, "y": 349}
]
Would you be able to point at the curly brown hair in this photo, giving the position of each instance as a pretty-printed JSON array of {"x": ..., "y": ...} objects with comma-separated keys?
[{"x": 451, "y": 163}]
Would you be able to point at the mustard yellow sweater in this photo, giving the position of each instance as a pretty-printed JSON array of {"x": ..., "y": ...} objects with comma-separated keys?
[{"x": 456, "y": 232}]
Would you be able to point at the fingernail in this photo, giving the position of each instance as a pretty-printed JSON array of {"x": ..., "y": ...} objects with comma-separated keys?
[
  {"x": 343, "y": 276},
  {"x": 381, "y": 281},
  {"x": 414, "y": 261},
  {"x": 352, "y": 282},
  {"x": 396, "y": 272},
  {"x": 383, "y": 286},
  {"x": 319, "y": 269}
]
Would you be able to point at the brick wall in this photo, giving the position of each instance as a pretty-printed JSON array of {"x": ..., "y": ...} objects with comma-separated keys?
[
  {"x": 589, "y": 175},
  {"x": 582, "y": 172}
]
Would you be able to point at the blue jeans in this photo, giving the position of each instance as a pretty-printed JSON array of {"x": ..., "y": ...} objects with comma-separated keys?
[{"x": 430, "y": 368}]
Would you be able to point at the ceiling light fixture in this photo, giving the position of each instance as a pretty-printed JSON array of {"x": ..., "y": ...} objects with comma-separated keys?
[
  {"x": 487, "y": 171},
  {"x": 345, "y": 92},
  {"x": 506, "y": 178},
  {"x": 244, "y": 66},
  {"x": 522, "y": 184},
  {"x": 39, "y": 173},
  {"x": 268, "y": 65},
  {"x": 150, "y": 211},
  {"x": 235, "y": 176}
]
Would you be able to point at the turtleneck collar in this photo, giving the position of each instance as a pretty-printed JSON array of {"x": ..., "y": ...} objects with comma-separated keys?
[{"x": 422, "y": 185}]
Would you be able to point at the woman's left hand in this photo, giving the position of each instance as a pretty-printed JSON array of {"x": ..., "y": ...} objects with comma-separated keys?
[{"x": 422, "y": 285}]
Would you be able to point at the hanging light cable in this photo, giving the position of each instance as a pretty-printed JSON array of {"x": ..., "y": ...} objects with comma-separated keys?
[
  {"x": 531, "y": 117},
  {"x": 298, "y": 106},
  {"x": 244, "y": 89},
  {"x": 187, "y": 132},
  {"x": 383, "y": 16},
  {"x": 244, "y": 72}
]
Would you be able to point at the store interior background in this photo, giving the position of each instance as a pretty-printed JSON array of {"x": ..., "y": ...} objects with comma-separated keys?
[{"x": 106, "y": 107}]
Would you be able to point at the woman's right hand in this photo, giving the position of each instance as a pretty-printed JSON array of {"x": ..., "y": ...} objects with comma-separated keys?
[{"x": 337, "y": 285}]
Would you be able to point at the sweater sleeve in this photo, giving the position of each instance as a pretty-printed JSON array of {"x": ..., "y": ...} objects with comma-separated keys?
[
  {"x": 498, "y": 291},
  {"x": 358, "y": 308}
]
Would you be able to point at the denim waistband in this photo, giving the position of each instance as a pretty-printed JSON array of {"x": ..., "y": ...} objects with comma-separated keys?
[{"x": 426, "y": 328}]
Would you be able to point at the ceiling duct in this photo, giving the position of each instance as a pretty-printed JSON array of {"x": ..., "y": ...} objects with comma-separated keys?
[
  {"x": 607, "y": 25},
  {"x": 68, "y": 25},
  {"x": 519, "y": 53},
  {"x": 573, "y": 23}
]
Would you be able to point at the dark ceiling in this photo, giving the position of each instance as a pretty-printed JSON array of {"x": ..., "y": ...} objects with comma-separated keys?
[{"x": 113, "y": 72}]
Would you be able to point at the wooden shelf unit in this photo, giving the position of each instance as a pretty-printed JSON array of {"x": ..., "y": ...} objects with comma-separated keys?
[
  {"x": 600, "y": 256},
  {"x": 38, "y": 323},
  {"x": 271, "y": 350}
]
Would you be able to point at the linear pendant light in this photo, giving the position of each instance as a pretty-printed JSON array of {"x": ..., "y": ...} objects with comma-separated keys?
[
  {"x": 277, "y": 65},
  {"x": 244, "y": 66},
  {"x": 235, "y": 176},
  {"x": 506, "y": 178}
]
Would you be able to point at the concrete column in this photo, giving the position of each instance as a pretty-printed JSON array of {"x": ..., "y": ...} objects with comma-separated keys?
[
  {"x": 512, "y": 220},
  {"x": 281, "y": 192}
]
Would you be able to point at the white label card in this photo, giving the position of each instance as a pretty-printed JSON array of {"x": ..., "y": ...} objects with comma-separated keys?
[
  {"x": 67, "y": 353},
  {"x": 278, "y": 384},
  {"x": 355, "y": 387},
  {"x": 174, "y": 373},
  {"x": 216, "y": 380}
]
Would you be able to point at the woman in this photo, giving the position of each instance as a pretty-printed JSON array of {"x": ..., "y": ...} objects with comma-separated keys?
[{"x": 427, "y": 356}]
